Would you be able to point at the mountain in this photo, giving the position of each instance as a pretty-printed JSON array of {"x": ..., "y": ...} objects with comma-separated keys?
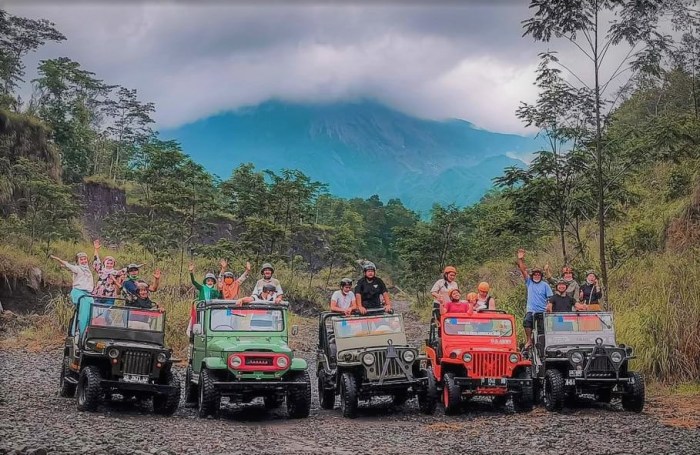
[{"x": 358, "y": 149}]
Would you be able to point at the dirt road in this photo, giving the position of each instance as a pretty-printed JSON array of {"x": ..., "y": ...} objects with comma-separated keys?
[{"x": 33, "y": 419}]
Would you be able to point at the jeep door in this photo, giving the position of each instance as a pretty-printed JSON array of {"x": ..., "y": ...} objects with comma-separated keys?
[{"x": 199, "y": 348}]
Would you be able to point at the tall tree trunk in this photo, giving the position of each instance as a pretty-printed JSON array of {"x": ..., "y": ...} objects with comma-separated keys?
[
  {"x": 562, "y": 239},
  {"x": 599, "y": 160}
]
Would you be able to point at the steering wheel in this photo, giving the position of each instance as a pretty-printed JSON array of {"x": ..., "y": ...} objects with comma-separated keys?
[{"x": 223, "y": 325}]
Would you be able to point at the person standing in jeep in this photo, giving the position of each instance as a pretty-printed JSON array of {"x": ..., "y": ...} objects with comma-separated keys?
[
  {"x": 538, "y": 293},
  {"x": 266, "y": 271},
  {"x": 370, "y": 289},
  {"x": 442, "y": 287},
  {"x": 561, "y": 301}
]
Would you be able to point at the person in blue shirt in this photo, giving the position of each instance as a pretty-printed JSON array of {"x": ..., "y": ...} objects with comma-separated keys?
[{"x": 538, "y": 293}]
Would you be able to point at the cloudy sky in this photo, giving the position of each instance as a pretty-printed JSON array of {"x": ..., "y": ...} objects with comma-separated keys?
[{"x": 443, "y": 60}]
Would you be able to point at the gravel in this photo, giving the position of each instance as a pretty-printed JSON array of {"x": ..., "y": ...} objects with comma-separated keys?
[{"x": 35, "y": 420}]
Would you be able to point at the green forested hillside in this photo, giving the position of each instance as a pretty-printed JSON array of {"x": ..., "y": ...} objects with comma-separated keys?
[{"x": 618, "y": 192}]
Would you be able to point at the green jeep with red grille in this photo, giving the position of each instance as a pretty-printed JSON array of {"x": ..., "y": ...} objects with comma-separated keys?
[{"x": 241, "y": 352}]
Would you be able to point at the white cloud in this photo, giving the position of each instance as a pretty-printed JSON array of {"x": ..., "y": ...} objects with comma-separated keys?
[{"x": 433, "y": 62}]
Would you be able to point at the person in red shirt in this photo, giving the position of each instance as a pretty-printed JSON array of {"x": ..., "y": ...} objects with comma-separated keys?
[{"x": 455, "y": 305}]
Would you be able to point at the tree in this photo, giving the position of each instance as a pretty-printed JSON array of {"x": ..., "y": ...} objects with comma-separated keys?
[
  {"x": 582, "y": 24},
  {"x": 245, "y": 192},
  {"x": 70, "y": 100},
  {"x": 20, "y": 36}
]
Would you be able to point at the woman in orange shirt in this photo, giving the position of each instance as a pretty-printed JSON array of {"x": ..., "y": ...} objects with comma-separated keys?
[{"x": 228, "y": 284}]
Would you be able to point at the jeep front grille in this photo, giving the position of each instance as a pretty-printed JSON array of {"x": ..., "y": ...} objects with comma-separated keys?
[
  {"x": 258, "y": 361},
  {"x": 137, "y": 362},
  {"x": 600, "y": 364},
  {"x": 489, "y": 364},
  {"x": 394, "y": 368}
]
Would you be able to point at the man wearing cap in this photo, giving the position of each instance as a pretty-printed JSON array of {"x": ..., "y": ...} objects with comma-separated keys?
[
  {"x": 266, "y": 271},
  {"x": 267, "y": 294},
  {"x": 130, "y": 289},
  {"x": 560, "y": 302},
  {"x": 538, "y": 293}
]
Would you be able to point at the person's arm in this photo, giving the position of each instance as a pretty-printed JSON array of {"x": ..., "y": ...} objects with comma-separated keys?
[
  {"x": 97, "y": 263},
  {"x": 245, "y": 274},
  {"x": 521, "y": 263},
  {"x": 194, "y": 282},
  {"x": 246, "y": 300},
  {"x": 358, "y": 302},
  {"x": 156, "y": 281},
  {"x": 387, "y": 297},
  {"x": 220, "y": 280},
  {"x": 547, "y": 272},
  {"x": 434, "y": 291},
  {"x": 492, "y": 303},
  {"x": 549, "y": 306},
  {"x": 598, "y": 291}
]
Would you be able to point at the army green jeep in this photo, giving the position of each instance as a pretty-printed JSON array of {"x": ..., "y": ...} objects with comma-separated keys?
[
  {"x": 241, "y": 352},
  {"x": 364, "y": 356},
  {"x": 121, "y": 351}
]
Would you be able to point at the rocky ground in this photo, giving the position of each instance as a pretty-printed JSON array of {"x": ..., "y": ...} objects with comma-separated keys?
[{"x": 33, "y": 419}]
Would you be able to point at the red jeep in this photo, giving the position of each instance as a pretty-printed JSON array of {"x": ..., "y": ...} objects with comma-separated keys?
[{"x": 476, "y": 354}]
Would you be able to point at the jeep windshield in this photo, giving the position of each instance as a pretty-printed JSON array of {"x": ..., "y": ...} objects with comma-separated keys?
[
  {"x": 478, "y": 327},
  {"x": 246, "y": 320},
  {"x": 563, "y": 329},
  {"x": 368, "y": 326},
  {"x": 120, "y": 317}
]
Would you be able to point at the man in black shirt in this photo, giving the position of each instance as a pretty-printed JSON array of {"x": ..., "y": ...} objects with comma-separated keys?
[
  {"x": 369, "y": 289},
  {"x": 560, "y": 302}
]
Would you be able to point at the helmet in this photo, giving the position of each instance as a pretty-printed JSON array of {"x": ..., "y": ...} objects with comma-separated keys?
[
  {"x": 131, "y": 267},
  {"x": 210, "y": 275},
  {"x": 81, "y": 255},
  {"x": 345, "y": 281},
  {"x": 449, "y": 269},
  {"x": 562, "y": 281},
  {"x": 589, "y": 272},
  {"x": 269, "y": 288},
  {"x": 369, "y": 266},
  {"x": 109, "y": 258},
  {"x": 567, "y": 269},
  {"x": 267, "y": 265},
  {"x": 483, "y": 287},
  {"x": 228, "y": 275},
  {"x": 472, "y": 297},
  {"x": 140, "y": 284},
  {"x": 536, "y": 270}
]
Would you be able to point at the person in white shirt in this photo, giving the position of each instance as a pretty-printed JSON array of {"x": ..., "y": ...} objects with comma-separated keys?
[
  {"x": 83, "y": 284},
  {"x": 343, "y": 300}
]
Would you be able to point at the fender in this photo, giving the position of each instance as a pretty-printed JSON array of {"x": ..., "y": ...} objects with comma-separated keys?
[
  {"x": 215, "y": 363},
  {"x": 298, "y": 364},
  {"x": 432, "y": 359}
]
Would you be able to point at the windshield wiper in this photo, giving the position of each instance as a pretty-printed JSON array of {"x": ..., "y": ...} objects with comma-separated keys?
[{"x": 604, "y": 323}]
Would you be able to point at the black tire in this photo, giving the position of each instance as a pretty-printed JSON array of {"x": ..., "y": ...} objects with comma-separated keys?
[
  {"x": 89, "y": 390},
  {"x": 499, "y": 401},
  {"x": 326, "y": 397},
  {"x": 167, "y": 404},
  {"x": 525, "y": 400},
  {"x": 553, "y": 393},
  {"x": 633, "y": 399},
  {"x": 209, "y": 400},
  {"x": 451, "y": 394},
  {"x": 272, "y": 402},
  {"x": 428, "y": 398},
  {"x": 299, "y": 398},
  {"x": 348, "y": 395},
  {"x": 603, "y": 395},
  {"x": 65, "y": 388},
  {"x": 191, "y": 389}
]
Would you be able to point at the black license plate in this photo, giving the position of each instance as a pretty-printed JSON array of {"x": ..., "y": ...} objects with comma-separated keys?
[{"x": 493, "y": 382}]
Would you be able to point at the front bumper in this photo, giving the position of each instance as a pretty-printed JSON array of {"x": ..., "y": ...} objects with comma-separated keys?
[
  {"x": 492, "y": 386},
  {"x": 234, "y": 387},
  {"x": 157, "y": 389},
  {"x": 391, "y": 386}
]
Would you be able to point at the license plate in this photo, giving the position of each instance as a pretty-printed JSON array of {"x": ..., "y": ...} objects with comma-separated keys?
[
  {"x": 569, "y": 381},
  {"x": 136, "y": 378},
  {"x": 493, "y": 382}
]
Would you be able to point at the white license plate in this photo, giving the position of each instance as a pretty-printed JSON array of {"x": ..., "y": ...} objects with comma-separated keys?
[{"x": 136, "y": 378}]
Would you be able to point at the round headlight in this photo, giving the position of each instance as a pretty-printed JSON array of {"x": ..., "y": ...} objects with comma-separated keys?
[
  {"x": 513, "y": 358},
  {"x": 409, "y": 356},
  {"x": 616, "y": 357},
  {"x": 368, "y": 358},
  {"x": 576, "y": 357},
  {"x": 113, "y": 353},
  {"x": 282, "y": 362},
  {"x": 348, "y": 356},
  {"x": 235, "y": 361},
  {"x": 162, "y": 357},
  {"x": 467, "y": 357}
]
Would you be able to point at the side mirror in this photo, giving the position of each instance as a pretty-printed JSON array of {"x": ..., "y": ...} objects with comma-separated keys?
[
  {"x": 197, "y": 329},
  {"x": 295, "y": 330}
]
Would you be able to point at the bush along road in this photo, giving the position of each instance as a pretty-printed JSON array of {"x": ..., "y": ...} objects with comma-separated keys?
[{"x": 34, "y": 419}]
